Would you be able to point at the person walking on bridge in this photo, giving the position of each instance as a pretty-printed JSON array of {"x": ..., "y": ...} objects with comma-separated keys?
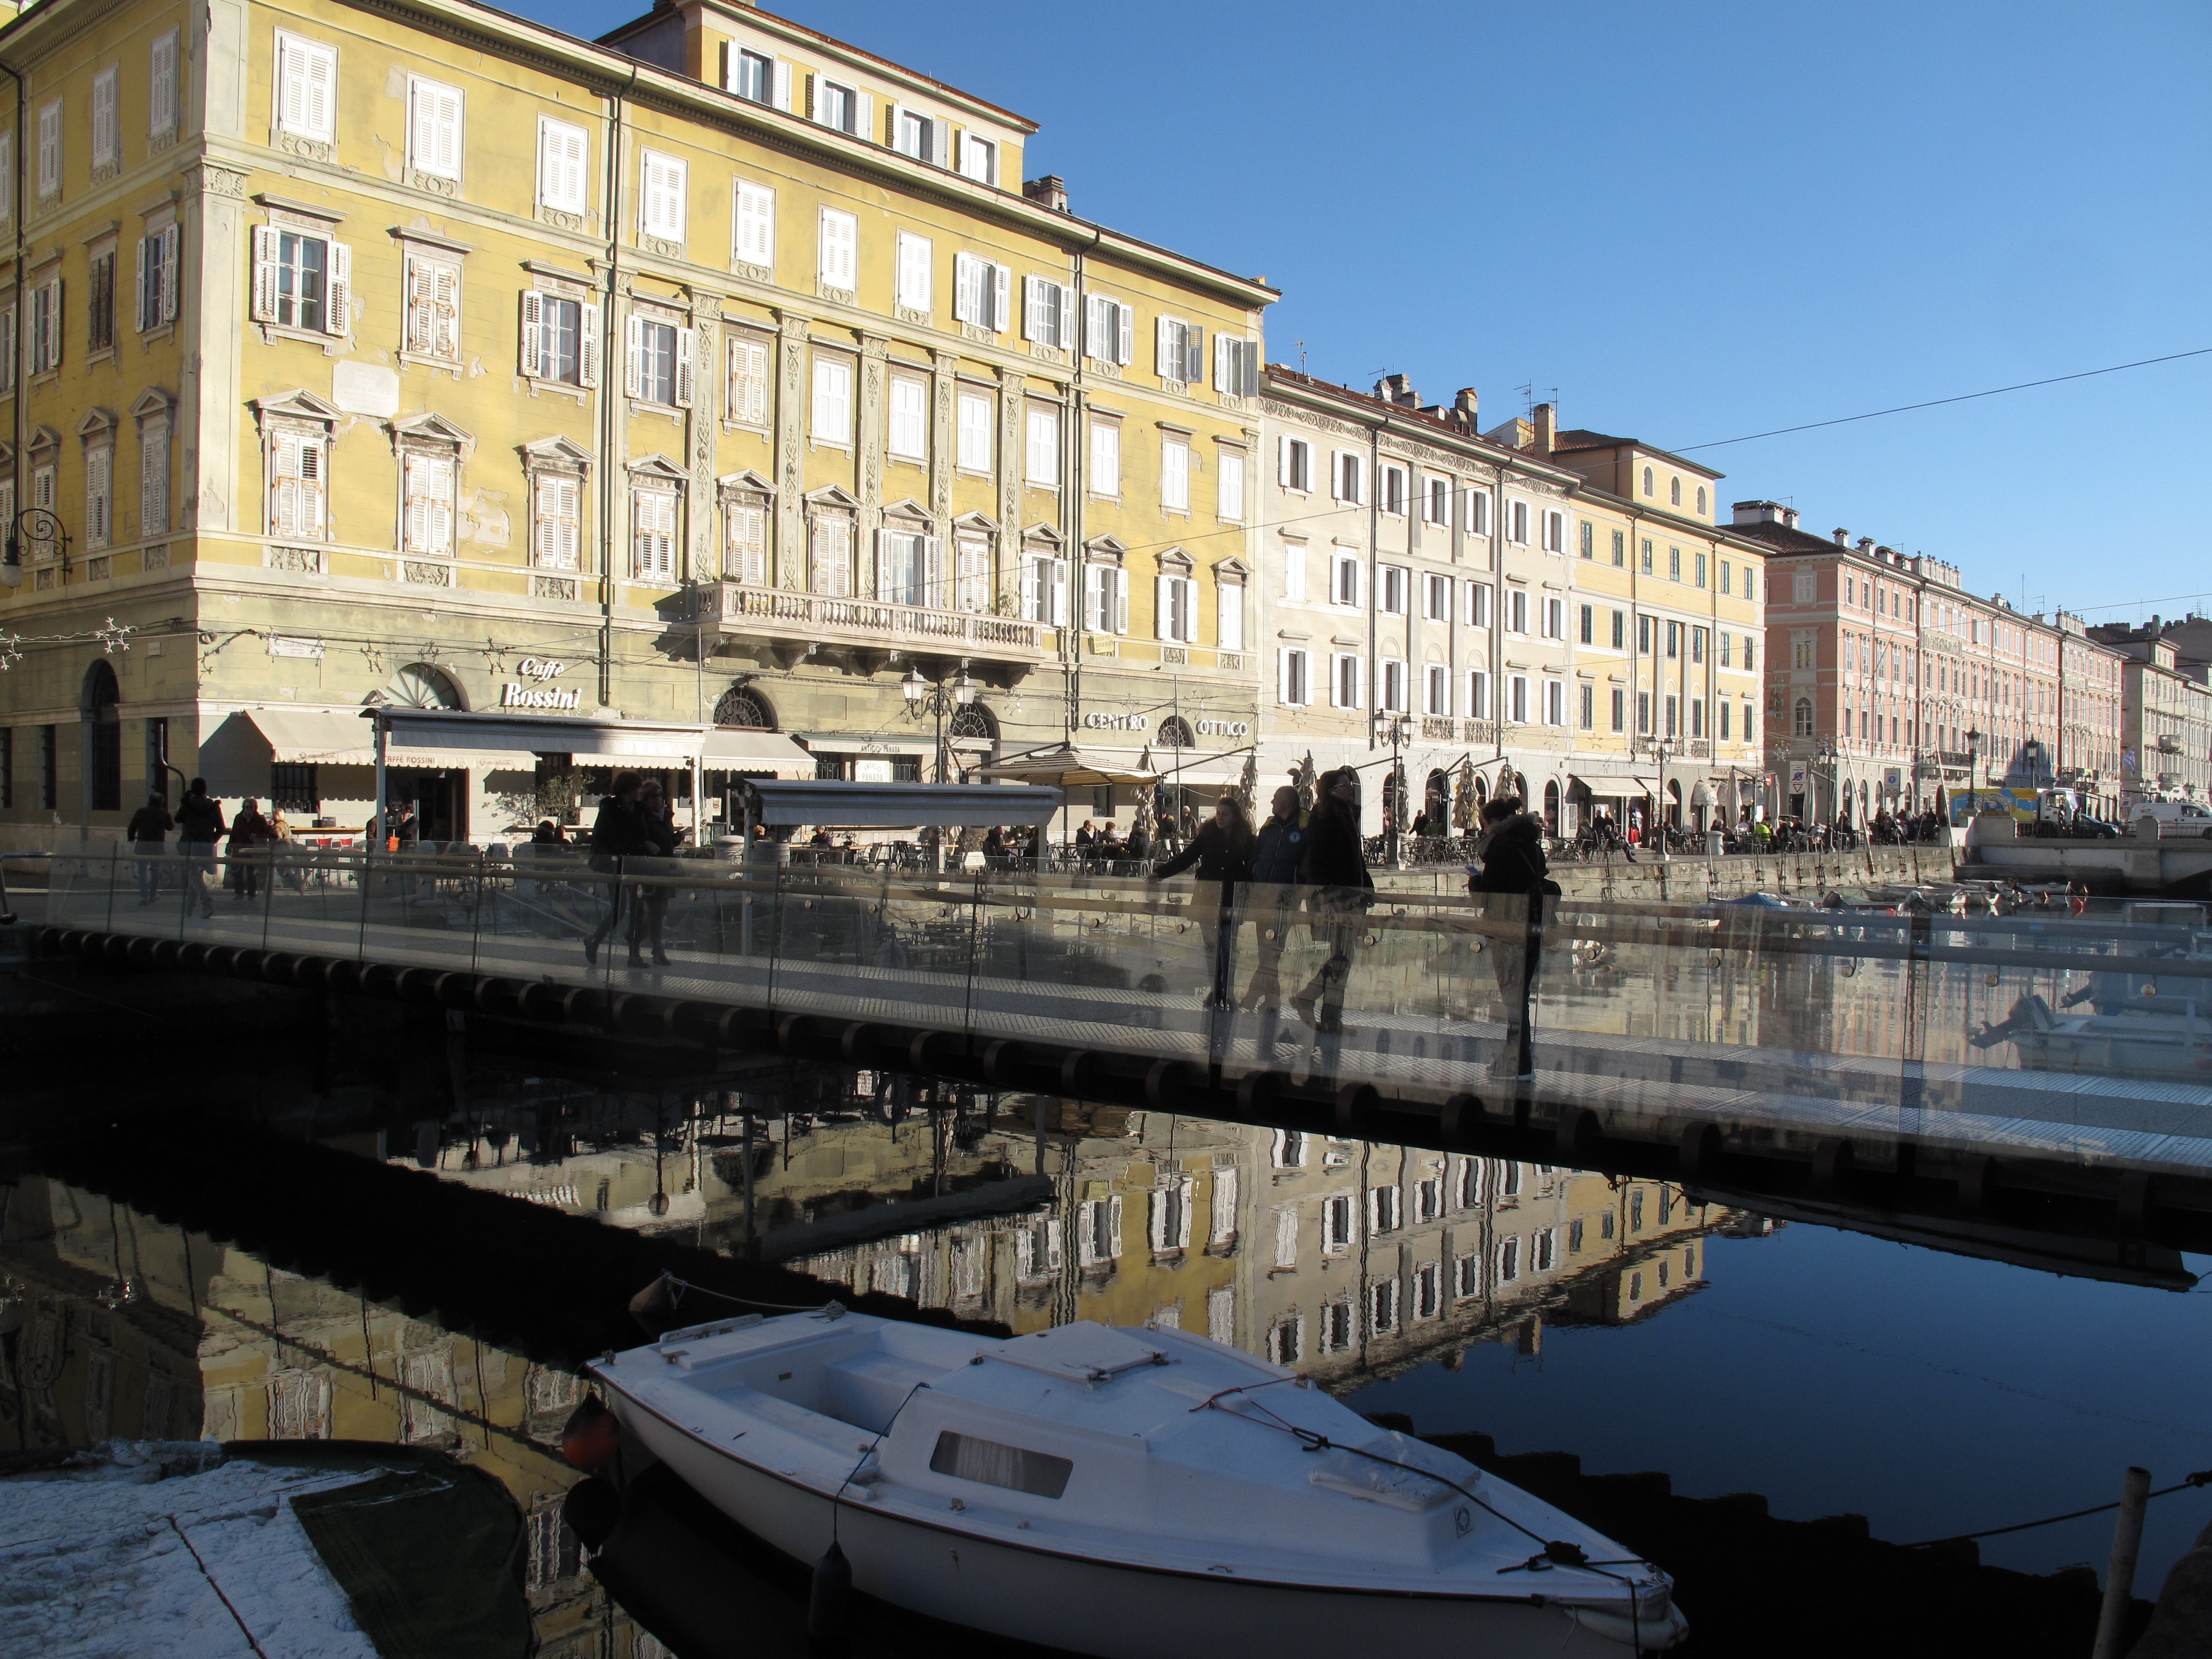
[
  {"x": 1222, "y": 853},
  {"x": 200, "y": 826},
  {"x": 1510, "y": 862},
  {"x": 618, "y": 833},
  {"x": 148, "y": 831},
  {"x": 1279, "y": 857},
  {"x": 1338, "y": 871}
]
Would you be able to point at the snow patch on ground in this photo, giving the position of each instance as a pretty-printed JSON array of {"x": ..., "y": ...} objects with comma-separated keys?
[{"x": 95, "y": 1563}]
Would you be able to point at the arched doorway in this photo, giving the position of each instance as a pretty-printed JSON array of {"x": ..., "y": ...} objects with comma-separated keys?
[
  {"x": 97, "y": 708},
  {"x": 1436, "y": 803},
  {"x": 1674, "y": 805},
  {"x": 439, "y": 794},
  {"x": 1552, "y": 809}
]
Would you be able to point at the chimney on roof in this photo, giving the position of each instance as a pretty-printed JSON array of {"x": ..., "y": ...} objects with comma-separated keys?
[
  {"x": 1464, "y": 402},
  {"x": 1866, "y": 543},
  {"x": 1762, "y": 513},
  {"x": 1398, "y": 389},
  {"x": 1789, "y": 517},
  {"x": 1547, "y": 428},
  {"x": 1049, "y": 191},
  {"x": 1842, "y": 536}
]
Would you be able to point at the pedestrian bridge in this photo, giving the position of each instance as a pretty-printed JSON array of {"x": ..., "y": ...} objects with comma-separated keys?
[{"x": 1846, "y": 1046}]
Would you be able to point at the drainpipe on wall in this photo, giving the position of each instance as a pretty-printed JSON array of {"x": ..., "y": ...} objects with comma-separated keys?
[{"x": 611, "y": 192}]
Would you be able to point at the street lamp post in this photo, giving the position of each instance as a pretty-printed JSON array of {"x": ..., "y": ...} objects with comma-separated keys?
[
  {"x": 1393, "y": 793},
  {"x": 36, "y": 525},
  {"x": 1660, "y": 749},
  {"x": 924, "y": 700}
]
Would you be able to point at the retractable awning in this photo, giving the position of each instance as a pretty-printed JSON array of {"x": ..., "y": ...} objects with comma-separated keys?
[
  {"x": 839, "y": 805},
  {"x": 1069, "y": 767},
  {"x": 1619, "y": 788},
  {"x": 313, "y": 737},
  {"x": 474, "y": 740}
]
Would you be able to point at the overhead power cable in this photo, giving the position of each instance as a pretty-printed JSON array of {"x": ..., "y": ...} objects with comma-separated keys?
[{"x": 1932, "y": 403}]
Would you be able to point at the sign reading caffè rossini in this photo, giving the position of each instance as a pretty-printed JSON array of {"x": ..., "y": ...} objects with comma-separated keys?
[{"x": 539, "y": 691}]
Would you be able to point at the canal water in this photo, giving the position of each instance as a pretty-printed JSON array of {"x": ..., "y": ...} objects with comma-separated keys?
[{"x": 1638, "y": 1326}]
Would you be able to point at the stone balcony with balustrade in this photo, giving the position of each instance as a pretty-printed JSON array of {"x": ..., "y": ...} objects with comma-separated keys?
[{"x": 792, "y": 623}]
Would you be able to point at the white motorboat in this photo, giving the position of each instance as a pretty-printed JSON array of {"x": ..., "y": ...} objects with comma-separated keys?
[{"x": 1114, "y": 1491}]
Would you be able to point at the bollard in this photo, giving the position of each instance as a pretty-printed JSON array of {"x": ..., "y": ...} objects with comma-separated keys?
[{"x": 2120, "y": 1577}]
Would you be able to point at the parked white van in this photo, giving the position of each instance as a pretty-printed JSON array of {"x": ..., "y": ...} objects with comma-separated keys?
[{"x": 2174, "y": 818}]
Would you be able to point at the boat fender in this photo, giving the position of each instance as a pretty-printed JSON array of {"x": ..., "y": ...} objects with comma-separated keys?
[
  {"x": 829, "y": 1598},
  {"x": 592, "y": 1437},
  {"x": 591, "y": 1510}
]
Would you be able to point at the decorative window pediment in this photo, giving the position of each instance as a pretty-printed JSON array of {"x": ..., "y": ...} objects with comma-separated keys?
[
  {"x": 731, "y": 483},
  {"x": 43, "y": 438},
  {"x": 152, "y": 402},
  {"x": 95, "y": 423},
  {"x": 645, "y": 469},
  {"x": 556, "y": 452},
  {"x": 1175, "y": 563},
  {"x": 977, "y": 521},
  {"x": 1042, "y": 532},
  {"x": 832, "y": 496},
  {"x": 300, "y": 405},
  {"x": 907, "y": 508},
  {"x": 1231, "y": 570},
  {"x": 1106, "y": 547},
  {"x": 430, "y": 430}
]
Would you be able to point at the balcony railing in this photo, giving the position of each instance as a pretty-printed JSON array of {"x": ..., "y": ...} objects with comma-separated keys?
[{"x": 733, "y": 609}]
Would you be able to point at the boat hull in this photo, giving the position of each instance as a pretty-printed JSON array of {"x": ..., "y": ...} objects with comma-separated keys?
[{"x": 1113, "y": 1611}]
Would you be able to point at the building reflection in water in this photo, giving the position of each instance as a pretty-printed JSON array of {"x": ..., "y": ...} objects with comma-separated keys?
[
  {"x": 1349, "y": 1260},
  {"x": 114, "y": 1323}
]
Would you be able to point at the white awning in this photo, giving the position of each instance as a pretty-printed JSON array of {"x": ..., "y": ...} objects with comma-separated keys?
[
  {"x": 1619, "y": 788},
  {"x": 498, "y": 740},
  {"x": 314, "y": 737}
]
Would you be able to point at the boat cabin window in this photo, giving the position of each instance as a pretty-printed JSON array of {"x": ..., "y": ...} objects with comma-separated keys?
[{"x": 966, "y": 1458}]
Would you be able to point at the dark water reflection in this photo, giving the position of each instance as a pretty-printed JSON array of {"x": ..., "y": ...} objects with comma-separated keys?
[{"x": 1552, "y": 1308}]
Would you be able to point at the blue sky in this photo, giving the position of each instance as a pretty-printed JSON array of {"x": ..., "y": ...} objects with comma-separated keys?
[{"x": 1695, "y": 223}]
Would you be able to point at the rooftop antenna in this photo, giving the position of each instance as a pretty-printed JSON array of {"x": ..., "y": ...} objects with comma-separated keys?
[
  {"x": 1301, "y": 345},
  {"x": 1527, "y": 391}
]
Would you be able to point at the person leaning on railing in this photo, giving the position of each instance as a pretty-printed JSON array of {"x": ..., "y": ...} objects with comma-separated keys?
[{"x": 149, "y": 828}]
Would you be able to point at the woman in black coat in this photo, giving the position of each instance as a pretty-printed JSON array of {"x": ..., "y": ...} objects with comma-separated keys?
[{"x": 1222, "y": 853}]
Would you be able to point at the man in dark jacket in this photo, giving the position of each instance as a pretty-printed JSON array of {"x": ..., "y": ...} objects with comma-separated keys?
[
  {"x": 200, "y": 826},
  {"x": 148, "y": 831},
  {"x": 1510, "y": 863},
  {"x": 1337, "y": 866},
  {"x": 1222, "y": 853},
  {"x": 1278, "y": 870},
  {"x": 618, "y": 832}
]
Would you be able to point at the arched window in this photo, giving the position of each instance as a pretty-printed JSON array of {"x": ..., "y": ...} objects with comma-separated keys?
[
  {"x": 739, "y": 707},
  {"x": 1701, "y": 500},
  {"x": 1175, "y": 732},
  {"x": 972, "y": 721},
  {"x": 1675, "y": 492},
  {"x": 96, "y": 706},
  {"x": 1648, "y": 485},
  {"x": 1802, "y": 722},
  {"x": 418, "y": 685}
]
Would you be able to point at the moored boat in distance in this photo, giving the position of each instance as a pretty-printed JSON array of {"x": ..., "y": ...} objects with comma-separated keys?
[{"x": 1088, "y": 1487}]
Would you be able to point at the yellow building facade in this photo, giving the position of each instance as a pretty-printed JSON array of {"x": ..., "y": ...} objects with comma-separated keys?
[{"x": 717, "y": 373}]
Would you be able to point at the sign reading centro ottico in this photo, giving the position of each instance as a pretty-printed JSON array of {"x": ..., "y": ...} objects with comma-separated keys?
[
  {"x": 540, "y": 693},
  {"x": 1099, "y": 720}
]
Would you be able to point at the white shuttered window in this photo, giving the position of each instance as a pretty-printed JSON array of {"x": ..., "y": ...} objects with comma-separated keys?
[
  {"x": 99, "y": 495},
  {"x": 433, "y": 308},
  {"x": 563, "y": 166},
  {"x": 1229, "y": 496},
  {"x": 744, "y": 548},
  {"x": 557, "y": 527},
  {"x": 837, "y": 258},
  {"x": 833, "y": 401},
  {"x": 428, "y": 482},
  {"x": 433, "y": 127},
  {"x": 1174, "y": 475},
  {"x": 162, "y": 87},
  {"x": 909, "y": 419},
  {"x": 106, "y": 120},
  {"x": 154, "y": 478},
  {"x": 297, "y": 486},
  {"x": 1043, "y": 470},
  {"x": 1229, "y": 614},
  {"x": 662, "y": 181},
  {"x": 753, "y": 240},
  {"x": 1105, "y": 457},
  {"x": 653, "y": 534},
  {"x": 916, "y": 267},
  {"x": 50, "y": 148},
  {"x": 306, "y": 88},
  {"x": 749, "y": 380}
]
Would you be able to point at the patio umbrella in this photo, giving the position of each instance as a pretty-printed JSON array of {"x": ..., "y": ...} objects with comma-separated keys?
[
  {"x": 1248, "y": 786},
  {"x": 1069, "y": 768}
]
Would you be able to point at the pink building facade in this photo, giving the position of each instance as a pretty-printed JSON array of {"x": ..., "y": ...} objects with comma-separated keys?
[{"x": 1889, "y": 686}]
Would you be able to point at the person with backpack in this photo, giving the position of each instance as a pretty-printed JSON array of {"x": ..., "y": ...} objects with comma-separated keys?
[
  {"x": 199, "y": 826},
  {"x": 1510, "y": 862},
  {"x": 1280, "y": 854},
  {"x": 147, "y": 832}
]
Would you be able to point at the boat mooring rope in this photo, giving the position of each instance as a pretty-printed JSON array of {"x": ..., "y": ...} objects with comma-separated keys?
[
  {"x": 2201, "y": 1478},
  {"x": 1555, "y": 1552},
  {"x": 820, "y": 1310}
]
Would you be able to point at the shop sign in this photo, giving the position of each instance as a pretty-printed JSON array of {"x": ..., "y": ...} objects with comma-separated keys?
[
  {"x": 540, "y": 693},
  {"x": 286, "y": 645},
  {"x": 1224, "y": 728},
  {"x": 1099, "y": 720}
]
